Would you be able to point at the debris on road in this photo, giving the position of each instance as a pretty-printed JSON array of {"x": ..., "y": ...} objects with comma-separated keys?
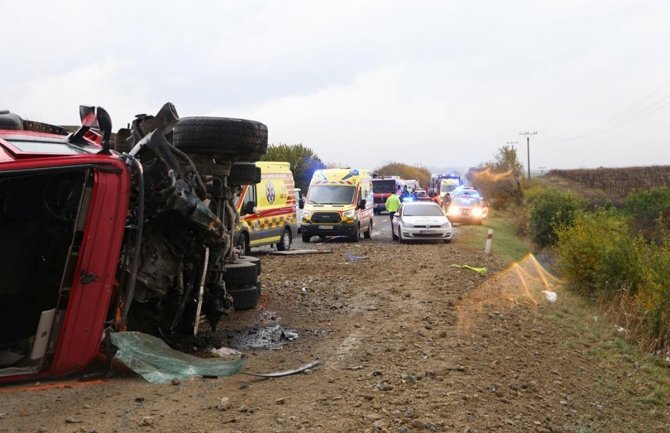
[
  {"x": 300, "y": 369},
  {"x": 550, "y": 296},
  {"x": 157, "y": 363},
  {"x": 353, "y": 257},
  {"x": 299, "y": 252},
  {"x": 482, "y": 270}
]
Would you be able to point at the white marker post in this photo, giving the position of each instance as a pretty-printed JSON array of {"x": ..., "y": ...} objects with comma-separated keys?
[{"x": 489, "y": 240}]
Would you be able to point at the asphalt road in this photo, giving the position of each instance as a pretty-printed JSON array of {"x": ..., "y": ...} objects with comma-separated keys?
[{"x": 381, "y": 232}]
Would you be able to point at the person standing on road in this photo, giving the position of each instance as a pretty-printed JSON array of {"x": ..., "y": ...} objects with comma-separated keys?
[
  {"x": 404, "y": 194},
  {"x": 392, "y": 204}
]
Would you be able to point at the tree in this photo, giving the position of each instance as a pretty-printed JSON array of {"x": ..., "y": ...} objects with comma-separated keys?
[
  {"x": 500, "y": 179},
  {"x": 304, "y": 162},
  {"x": 405, "y": 171}
]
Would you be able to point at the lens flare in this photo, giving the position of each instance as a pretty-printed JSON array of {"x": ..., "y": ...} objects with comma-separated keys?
[{"x": 523, "y": 282}]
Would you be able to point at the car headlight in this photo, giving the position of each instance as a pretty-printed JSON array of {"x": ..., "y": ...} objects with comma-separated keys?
[
  {"x": 453, "y": 210},
  {"x": 349, "y": 213},
  {"x": 446, "y": 225},
  {"x": 477, "y": 211},
  {"x": 306, "y": 214}
]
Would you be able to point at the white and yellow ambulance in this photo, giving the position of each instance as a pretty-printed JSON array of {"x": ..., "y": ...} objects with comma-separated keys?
[
  {"x": 339, "y": 203},
  {"x": 267, "y": 209}
]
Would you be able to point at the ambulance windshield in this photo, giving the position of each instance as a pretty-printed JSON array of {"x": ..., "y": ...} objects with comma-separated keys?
[{"x": 330, "y": 194}]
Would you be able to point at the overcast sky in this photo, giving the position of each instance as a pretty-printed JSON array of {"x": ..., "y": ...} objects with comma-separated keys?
[{"x": 363, "y": 83}]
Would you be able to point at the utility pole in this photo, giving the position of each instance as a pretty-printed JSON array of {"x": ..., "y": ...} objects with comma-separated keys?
[{"x": 528, "y": 134}]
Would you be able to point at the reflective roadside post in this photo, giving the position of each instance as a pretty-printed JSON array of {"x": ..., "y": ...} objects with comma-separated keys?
[{"x": 489, "y": 240}]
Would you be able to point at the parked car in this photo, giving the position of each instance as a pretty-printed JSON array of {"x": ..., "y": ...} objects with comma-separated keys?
[
  {"x": 421, "y": 220},
  {"x": 422, "y": 195},
  {"x": 99, "y": 235},
  {"x": 467, "y": 208}
]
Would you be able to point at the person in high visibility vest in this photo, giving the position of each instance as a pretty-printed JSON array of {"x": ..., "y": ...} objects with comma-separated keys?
[{"x": 392, "y": 204}]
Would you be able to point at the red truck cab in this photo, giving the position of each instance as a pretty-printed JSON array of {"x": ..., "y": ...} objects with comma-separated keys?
[{"x": 62, "y": 215}]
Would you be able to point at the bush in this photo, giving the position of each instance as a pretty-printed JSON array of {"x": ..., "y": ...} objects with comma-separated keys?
[
  {"x": 549, "y": 211},
  {"x": 649, "y": 213},
  {"x": 598, "y": 255},
  {"x": 602, "y": 258}
]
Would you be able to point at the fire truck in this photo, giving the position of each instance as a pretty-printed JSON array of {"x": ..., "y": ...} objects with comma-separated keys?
[{"x": 382, "y": 188}]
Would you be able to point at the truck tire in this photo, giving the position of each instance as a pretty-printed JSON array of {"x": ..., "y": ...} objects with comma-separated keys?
[
  {"x": 243, "y": 243},
  {"x": 255, "y": 260},
  {"x": 284, "y": 243},
  {"x": 244, "y": 173},
  {"x": 240, "y": 273},
  {"x": 237, "y": 139},
  {"x": 356, "y": 237},
  {"x": 245, "y": 298}
]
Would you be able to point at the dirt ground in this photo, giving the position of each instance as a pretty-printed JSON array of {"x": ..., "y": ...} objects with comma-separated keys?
[{"x": 407, "y": 343}]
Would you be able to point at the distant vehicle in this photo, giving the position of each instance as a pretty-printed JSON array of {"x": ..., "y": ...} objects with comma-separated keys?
[
  {"x": 422, "y": 195},
  {"x": 382, "y": 188},
  {"x": 466, "y": 191},
  {"x": 421, "y": 220},
  {"x": 411, "y": 184},
  {"x": 267, "y": 209},
  {"x": 467, "y": 209},
  {"x": 443, "y": 184},
  {"x": 339, "y": 203}
]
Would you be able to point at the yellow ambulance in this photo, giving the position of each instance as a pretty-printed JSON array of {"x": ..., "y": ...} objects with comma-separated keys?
[
  {"x": 267, "y": 209},
  {"x": 339, "y": 203}
]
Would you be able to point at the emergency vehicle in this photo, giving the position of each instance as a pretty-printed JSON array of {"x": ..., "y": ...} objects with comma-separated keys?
[
  {"x": 339, "y": 203},
  {"x": 444, "y": 184},
  {"x": 268, "y": 209},
  {"x": 382, "y": 188}
]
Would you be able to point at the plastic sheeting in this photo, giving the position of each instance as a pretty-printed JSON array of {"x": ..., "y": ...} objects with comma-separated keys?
[{"x": 156, "y": 362}]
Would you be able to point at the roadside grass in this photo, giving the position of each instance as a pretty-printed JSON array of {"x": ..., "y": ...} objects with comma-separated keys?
[
  {"x": 506, "y": 243},
  {"x": 593, "y": 335},
  {"x": 602, "y": 341}
]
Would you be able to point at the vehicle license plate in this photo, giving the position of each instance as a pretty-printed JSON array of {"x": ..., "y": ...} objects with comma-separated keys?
[
  {"x": 426, "y": 232},
  {"x": 326, "y": 227}
]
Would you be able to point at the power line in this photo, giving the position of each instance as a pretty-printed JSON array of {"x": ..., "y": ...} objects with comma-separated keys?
[{"x": 624, "y": 118}]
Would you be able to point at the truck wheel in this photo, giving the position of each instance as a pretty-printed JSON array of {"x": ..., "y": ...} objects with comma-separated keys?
[
  {"x": 244, "y": 173},
  {"x": 245, "y": 298},
  {"x": 306, "y": 237},
  {"x": 285, "y": 240},
  {"x": 240, "y": 274},
  {"x": 239, "y": 139},
  {"x": 243, "y": 243},
  {"x": 357, "y": 234},
  {"x": 368, "y": 232},
  {"x": 255, "y": 260}
]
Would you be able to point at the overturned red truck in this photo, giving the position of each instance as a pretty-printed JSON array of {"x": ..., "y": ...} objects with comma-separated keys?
[{"x": 103, "y": 234}]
